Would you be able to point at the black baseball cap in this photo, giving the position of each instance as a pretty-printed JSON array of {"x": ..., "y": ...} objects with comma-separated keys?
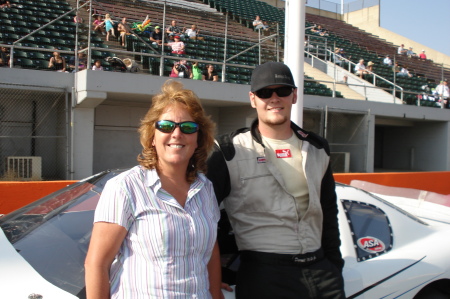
[{"x": 271, "y": 73}]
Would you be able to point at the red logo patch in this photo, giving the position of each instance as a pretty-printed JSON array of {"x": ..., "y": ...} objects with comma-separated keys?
[
  {"x": 371, "y": 244},
  {"x": 283, "y": 153},
  {"x": 261, "y": 159}
]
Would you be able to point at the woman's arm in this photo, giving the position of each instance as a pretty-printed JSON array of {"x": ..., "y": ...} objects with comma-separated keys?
[
  {"x": 215, "y": 274},
  {"x": 216, "y": 78},
  {"x": 105, "y": 243},
  {"x": 64, "y": 64},
  {"x": 50, "y": 63}
]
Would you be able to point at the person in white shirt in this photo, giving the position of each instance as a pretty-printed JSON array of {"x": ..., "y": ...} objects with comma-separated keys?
[
  {"x": 193, "y": 33},
  {"x": 404, "y": 72},
  {"x": 401, "y": 50},
  {"x": 387, "y": 60},
  {"x": 443, "y": 92},
  {"x": 360, "y": 68},
  {"x": 259, "y": 24}
]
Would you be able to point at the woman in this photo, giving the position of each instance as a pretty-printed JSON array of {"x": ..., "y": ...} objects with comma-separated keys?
[
  {"x": 109, "y": 26},
  {"x": 177, "y": 46},
  {"x": 57, "y": 62},
  {"x": 210, "y": 74},
  {"x": 155, "y": 225}
]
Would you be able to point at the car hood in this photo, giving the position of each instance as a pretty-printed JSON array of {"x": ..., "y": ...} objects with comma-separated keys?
[{"x": 23, "y": 280}]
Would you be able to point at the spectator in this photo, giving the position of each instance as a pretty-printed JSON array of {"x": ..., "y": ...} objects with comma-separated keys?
[
  {"x": 82, "y": 62},
  {"x": 210, "y": 74},
  {"x": 422, "y": 55},
  {"x": 131, "y": 65},
  {"x": 156, "y": 36},
  {"x": 442, "y": 90},
  {"x": 196, "y": 73},
  {"x": 78, "y": 19},
  {"x": 193, "y": 33},
  {"x": 124, "y": 30},
  {"x": 173, "y": 30},
  {"x": 4, "y": 57},
  {"x": 411, "y": 53},
  {"x": 109, "y": 25},
  {"x": 360, "y": 68},
  {"x": 344, "y": 80},
  {"x": 396, "y": 68},
  {"x": 259, "y": 24},
  {"x": 318, "y": 29},
  {"x": 387, "y": 60},
  {"x": 99, "y": 24},
  {"x": 177, "y": 46},
  {"x": 57, "y": 62},
  {"x": 401, "y": 50},
  {"x": 369, "y": 68},
  {"x": 404, "y": 72},
  {"x": 308, "y": 46},
  {"x": 5, "y": 4},
  {"x": 337, "y": 56},
  {"x": 97, "y": 65},
  {"x": 324, "y": 33},
  {"x": 180, "y": 70}
]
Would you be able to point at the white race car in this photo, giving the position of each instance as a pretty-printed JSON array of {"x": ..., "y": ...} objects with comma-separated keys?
[{"x": 388, "y": 252}]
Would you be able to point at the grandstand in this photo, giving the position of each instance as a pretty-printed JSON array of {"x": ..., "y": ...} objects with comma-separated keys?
[{"x": 353, "y": 114}]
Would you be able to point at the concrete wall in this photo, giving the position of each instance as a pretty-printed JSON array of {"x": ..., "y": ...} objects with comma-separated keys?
[
  {"x": 421, "y": 147},
  {"x": 110, "y": 105},
  {"x": 368, "y": 19}
]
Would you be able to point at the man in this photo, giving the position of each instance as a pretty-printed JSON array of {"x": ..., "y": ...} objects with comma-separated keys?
[
  {"x": 156, "y": 36},
  {"x": 443, "y": 91},
  {"x": 173, "y": 30},
  {"x": 278, "y": 190},
  {"x": 411, "y": 53},
  {"x": 360, "y": 68},
  {"x": 124, "y": 30},
  {"x": 396, "y": 68},
  {"x": 387, "y": 61},
  {"x": 401, "y": 50},
  {"x": 259, "y": 24}
]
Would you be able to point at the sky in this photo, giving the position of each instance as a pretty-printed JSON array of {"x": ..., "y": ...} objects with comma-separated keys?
[{"x": 424, "y": 21}]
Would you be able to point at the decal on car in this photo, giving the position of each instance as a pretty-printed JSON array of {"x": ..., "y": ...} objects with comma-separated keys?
[{"x": 371, "y": 244}]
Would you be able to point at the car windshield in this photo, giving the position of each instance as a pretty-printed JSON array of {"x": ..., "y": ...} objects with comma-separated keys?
[{"x": 53, "y": 233}]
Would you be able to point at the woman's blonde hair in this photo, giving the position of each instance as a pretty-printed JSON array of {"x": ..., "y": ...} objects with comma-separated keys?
[{"x": 173, "y": 93}]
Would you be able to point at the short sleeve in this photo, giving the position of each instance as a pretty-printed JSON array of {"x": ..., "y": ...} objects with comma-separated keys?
[{"x": 114, "y": 205}]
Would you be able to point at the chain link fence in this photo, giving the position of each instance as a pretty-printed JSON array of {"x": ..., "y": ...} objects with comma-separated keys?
[{"x": 33, "y": 133}]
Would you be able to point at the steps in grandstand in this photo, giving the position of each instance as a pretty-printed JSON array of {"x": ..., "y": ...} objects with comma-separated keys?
[{"x": 320, "y": 76}]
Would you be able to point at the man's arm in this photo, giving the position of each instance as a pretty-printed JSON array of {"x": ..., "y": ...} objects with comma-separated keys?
[{"x": 330, "y": 233}]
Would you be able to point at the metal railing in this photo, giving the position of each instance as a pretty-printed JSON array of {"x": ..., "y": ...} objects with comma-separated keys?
[{"x": 349, "y": 66}]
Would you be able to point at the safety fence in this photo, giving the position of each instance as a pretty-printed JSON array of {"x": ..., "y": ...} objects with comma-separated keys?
[{"x": 33, "y": 132}]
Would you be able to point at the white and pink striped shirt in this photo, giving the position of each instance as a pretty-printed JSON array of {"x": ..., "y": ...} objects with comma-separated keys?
[{"x": 167, "y": 248}]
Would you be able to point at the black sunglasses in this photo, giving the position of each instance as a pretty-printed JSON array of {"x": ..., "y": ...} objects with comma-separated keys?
[
  {"x": 266, "y": 93},
  {"x": 168, "y": 126}
]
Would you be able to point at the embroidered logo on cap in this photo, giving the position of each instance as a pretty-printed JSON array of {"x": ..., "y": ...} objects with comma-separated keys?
[{"x": 283, "y": 153}]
